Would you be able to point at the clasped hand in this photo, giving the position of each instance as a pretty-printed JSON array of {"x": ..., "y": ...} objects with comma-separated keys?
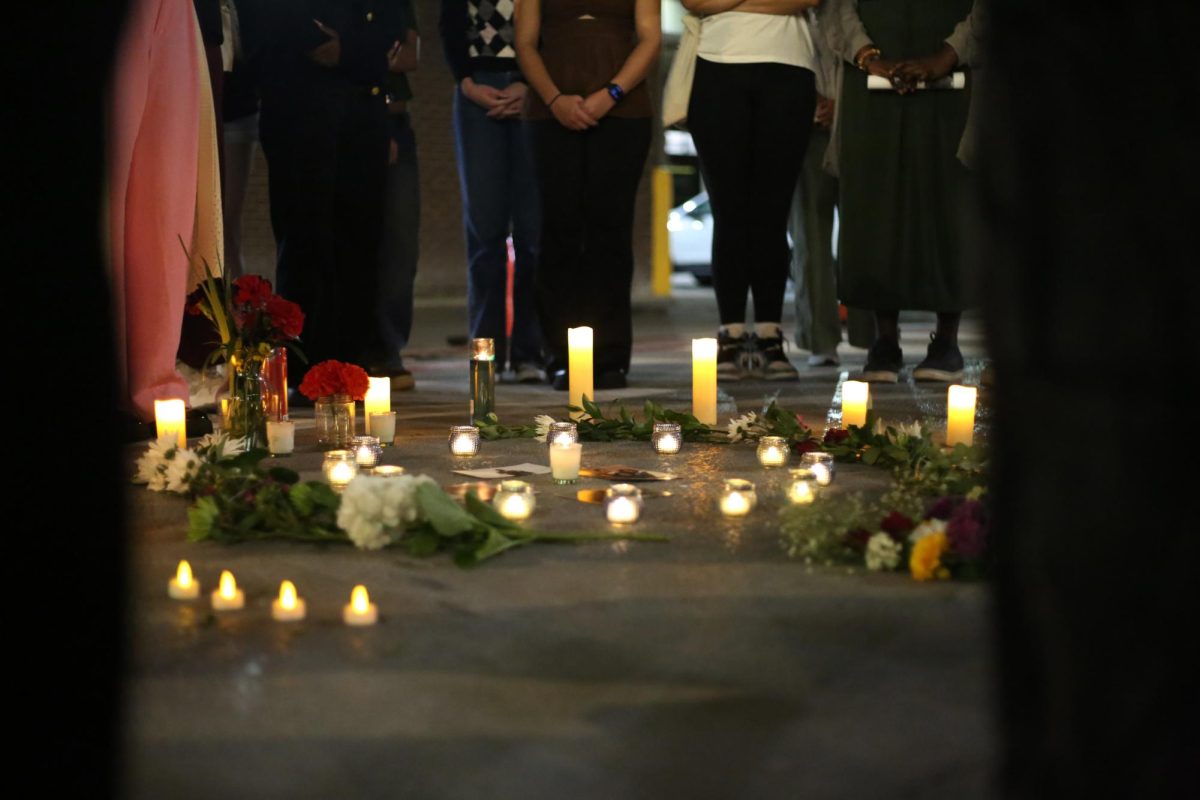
[
  {"x": 906, "y": 73},
  {"x": 579, "y": 113}
]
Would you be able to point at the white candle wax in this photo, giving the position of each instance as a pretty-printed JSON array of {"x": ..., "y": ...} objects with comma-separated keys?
[
  {"x": 288, "y": 607},
  {"x": 855, "y": 395},
  {"x": 281, "y": 436},
  {"x": 564, "y": 461},
  {"x": 170, "y": 421},
  {"x": 623, "y": 510},
  {"x": 668, "y": 444},
  {"x": 378, "y": 400},
  {"x": 183, "y": 586},
  {"x": 228, "y": 597},
  {"x": 704, "y": 380},
  {"x": 516, "y": 507},
  {"x": 360, "y": 610},
  {"x": 960, "y": 414},
  {"x": 579, "y": 367},
  {"x": 383, "y": 425},
  {"x": 463, "y": 445},
  {"x": 735, "y": 504}
]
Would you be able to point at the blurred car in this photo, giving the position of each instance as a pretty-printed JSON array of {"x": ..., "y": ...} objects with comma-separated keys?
[{"x": 690, "y": 231}]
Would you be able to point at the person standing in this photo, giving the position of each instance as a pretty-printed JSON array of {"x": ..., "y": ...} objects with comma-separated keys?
[
  {"x": 750, "y": 114},
  {"x": 240, "y": 106},
  {"x": 589, "y": 113},
  {"x": 495, "y": 172}
]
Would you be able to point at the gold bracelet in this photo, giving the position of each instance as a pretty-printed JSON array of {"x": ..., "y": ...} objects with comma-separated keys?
[{"x": 861, "y": 61}]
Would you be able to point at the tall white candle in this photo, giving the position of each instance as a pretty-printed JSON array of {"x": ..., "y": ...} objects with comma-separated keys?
[
  {"x": 855, "y": 395},
  {"x": 170, "y": 420},
  {"x": 704, "y": 380},
  {"x": 960, "y": 414},
  {"x": 579, "y": 367},
  {"x": 564, "y": 462},
  {"x": 378, "y": 400}
]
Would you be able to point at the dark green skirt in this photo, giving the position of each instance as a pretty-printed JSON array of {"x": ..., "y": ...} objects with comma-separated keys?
[{"x": 906, "y": 228}]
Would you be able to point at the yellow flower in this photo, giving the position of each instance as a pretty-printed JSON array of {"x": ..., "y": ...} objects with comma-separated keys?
[{"x": 925, "y": 563}]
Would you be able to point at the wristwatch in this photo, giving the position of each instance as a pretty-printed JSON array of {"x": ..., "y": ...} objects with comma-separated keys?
[{"x": 615, "y": 92}]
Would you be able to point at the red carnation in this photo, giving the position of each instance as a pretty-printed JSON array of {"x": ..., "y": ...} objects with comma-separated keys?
[
  {"x": 807, "y": 446},
  {"x": 252, "y": 291},
  {"x": 857, "y": 538},
  {"x": 286, "y": 316},
  {"x": 333, "y": 377},
  {"x": 896, "y": 525},
  {"x": 355, "y": 380},
  {"x": 836, "y": 435}
]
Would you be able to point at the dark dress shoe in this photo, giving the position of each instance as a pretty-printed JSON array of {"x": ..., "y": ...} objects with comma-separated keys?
[
  {"x": 611, "y": 379},
  {"x": 559, "y": 380}
]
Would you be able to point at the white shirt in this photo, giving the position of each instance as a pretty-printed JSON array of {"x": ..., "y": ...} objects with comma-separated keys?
[{"x": 738, "y": 37}]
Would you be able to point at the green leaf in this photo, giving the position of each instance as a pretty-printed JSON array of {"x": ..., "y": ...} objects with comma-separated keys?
[
  {"x": 485, "y": 513},
  {"x": 495, "y": 544},
  {"x": 421, "y": 542},
  {"x": 284, "y": 475},
  {"x": 246, "y": 461},
  {"x": 301, "y": 498},
  {"x": 201, "y": 517},
  {"x": 446, "y": 516}
]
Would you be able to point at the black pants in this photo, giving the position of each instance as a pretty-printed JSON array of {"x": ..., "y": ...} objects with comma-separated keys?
[
  {"x": 588, "y": 182},
  {"x": 750, "y": 123},
  {"x": 328, "y": 170}
]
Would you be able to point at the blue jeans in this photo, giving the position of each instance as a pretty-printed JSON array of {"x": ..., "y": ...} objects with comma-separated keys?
[
  {"x": 499, "y": 191},
  {"x": 398, "y": 251}
]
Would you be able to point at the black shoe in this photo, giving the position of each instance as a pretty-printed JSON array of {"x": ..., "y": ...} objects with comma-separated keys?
[
  {"x": 884, "y": 362},
  {"x": 943, "y": 362},
  {"x": 559, "y": 380},
  {"x": 731, "y": 356},
  {"x": 771, "y": 362},
  {"x": 610, "y": 379}
]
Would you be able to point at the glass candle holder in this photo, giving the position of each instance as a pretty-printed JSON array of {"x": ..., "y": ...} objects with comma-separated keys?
[
  {"x": 623, "y": 504},
  {"x": 383, "y": 427},
  {"x": 340, "y": 468},
  {"x": 281, "y": 436},
  {"x": 564, "y": 462},
  {"x": 514, "y": 500},
  {"x": 773, "y": 451},
  {"x": 802, "y": 488},
  {"x": 562, "y": 433},
  {"x": 464, "y": 440},
  {"x": 667, "y": 438},
  {"x": 483, "y": 378},
  {"x": 367, "y": 451},
  {"x": 334, "y": 417},
  {"x": 738, "y": 498},
  {"x": 388, "y": 471},
  {"x": 822, "y": 466}
]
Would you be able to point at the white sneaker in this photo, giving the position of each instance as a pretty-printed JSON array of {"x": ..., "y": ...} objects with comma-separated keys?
[
  {"x": 528, "y": 373},
  {"x": 824, "y": 359}
]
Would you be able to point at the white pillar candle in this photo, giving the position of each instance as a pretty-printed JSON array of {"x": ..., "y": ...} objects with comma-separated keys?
[
  {"x": 704, "y": 380},
  {"x": 360, "y": 610},
  {"x": 579, "y": 367},
  {"x": 383, "y": 427},
  {"x": 288, "y": 607},
  {"x": 183, "y": 586},
  {"x": 564, "y": 462},
  {"x": 960, "y": 414},
  {"x": 228, "y": 597},
  {"x": 170, "y": 420},
  {"x": 281, "y": 436},
  {"x": 855, "y": 395},
  {"x": 378, "y": 400}
]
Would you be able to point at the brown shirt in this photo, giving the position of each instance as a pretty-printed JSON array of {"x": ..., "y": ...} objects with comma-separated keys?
[{"x": 583, "y": 55}]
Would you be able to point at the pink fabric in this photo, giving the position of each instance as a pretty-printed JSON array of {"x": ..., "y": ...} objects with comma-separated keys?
[{"x": 152, "y": 193}]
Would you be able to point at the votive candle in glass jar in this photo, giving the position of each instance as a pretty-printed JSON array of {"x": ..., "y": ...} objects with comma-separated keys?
[
  {"x": 623, "y": 504},
  {"x": 739, "y": 498},
  {"x": 464, "y": 440},
  {"x": 667, "y": 438},
  {"x": 562, "y": 433},
  {"x": 800, "y": 490},
  {"x": 388, "y": 471},
  {"x": 821, "y": 464},
  {"x": 773, "y": 451},
  {"x": 340, "y": 468},
  {"x": 281, "y": 436},
  {"x": 564, "y": 462},
  {"x": 367, "y": 451},
  {"x": 514, "y": 500}
]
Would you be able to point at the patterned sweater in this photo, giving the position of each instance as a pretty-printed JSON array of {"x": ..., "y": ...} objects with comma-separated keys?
[{"x": 478, "y": 35}]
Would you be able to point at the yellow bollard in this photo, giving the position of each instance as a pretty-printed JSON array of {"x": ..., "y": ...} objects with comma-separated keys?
[{"x": 661, "y": 200}]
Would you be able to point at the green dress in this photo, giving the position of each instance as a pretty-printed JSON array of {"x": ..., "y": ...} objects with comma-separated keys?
[{"x": 904, "y": 203}]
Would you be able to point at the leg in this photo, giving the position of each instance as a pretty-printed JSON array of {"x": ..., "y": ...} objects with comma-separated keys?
[
  {"x": 526, "y": 344},
  {"x": 821, "y": 273},
  {"x": 240, "y": 138},
  {"x": 398, "y": 252}
]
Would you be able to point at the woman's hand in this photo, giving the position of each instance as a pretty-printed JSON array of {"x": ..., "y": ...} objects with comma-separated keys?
[
  {"x": 928, "y": 68},
  {"x": 598, "y": 104},
  {"x": 512, "y": 97},
  {"x": 823, "y": 116},
  {"x": 571, "y": 113},
  {"x": 480, "y": 94}
]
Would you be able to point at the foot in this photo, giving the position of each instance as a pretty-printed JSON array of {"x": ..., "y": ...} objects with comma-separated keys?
[
  {"x": 559, "y": 380},
  {"x": 943, "y": 362},
  {"x": 884, "y": 362},
  {"x": 824, "y": 359},
  {"x": 527, "y": 373},
  {"x": 731, "y": 365},
  {"x": 402, "y": 379},
  {"x": 771, "y": 361},
  {"x": 610, "y": 379}
]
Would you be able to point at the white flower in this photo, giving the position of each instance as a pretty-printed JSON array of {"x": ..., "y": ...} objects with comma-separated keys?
[
  {"x": 375, "y": 511},
  {"x": 927, "y": 528},
  {"x": 215, "y": 446},
  {"x": 152, "y": 465},
  {"x": 880, "y": 427},
  {"x": 543, "y": 422},
  {"x": 912, "y": 429},
  {"x": 738, "y": 428},
  {"x": 883, "y": 553},
  {"x": 181, "y": 469}
]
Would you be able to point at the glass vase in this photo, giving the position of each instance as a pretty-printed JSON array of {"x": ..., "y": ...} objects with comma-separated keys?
[
  {"x": 334, "y": 416},
  {"x": 249, "y": 391}
]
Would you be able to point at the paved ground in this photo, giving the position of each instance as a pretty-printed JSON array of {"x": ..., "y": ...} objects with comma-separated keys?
[{"x": 708, "y": 667}]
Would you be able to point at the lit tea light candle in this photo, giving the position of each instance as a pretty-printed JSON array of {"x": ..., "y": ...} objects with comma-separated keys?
[
  {"x": 666, "y": 438},
  {"x": 960, "y": 414},
  {"x": 281, "y": 436},
  {"x": 378, "y": 400},
  {"x": 773, "y": 451},
  {"x": 228, "y": 597},
  {"x": 623, "y": 504},
  {"x": 801, "y": 490},
  {"x": 360, "y": 610},
  {"x": 288, "y": 607},
  {"x": 170, "y": 421},
  {"x": 183, "y": 586},
  {"x": 340, "y": 468},
  {"x": 821, "y": 465},
  {"x": 855, "y": 396},
  {"x": 564, "y": 462},
  {"x": 514, "y": 500},
  {"x": 562, "y": 433},
  {"x": 388, "y": 471},
  {"x": 367, "y": 451},
  {"x": 579, "y": 367},
  {"x": 383, "y": 427},
  {"x": 738, "y": 498},
  {"x": 464, "y": 440},
  {"x": 704, "y": 380}
]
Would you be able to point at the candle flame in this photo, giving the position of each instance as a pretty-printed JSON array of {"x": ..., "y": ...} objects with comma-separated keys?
[
  {"x": 228, "y": 587},
  {"x": 360, "y": 601},
  {"x": 287, "y": 595},
  {"x": 183, "y": 575}
]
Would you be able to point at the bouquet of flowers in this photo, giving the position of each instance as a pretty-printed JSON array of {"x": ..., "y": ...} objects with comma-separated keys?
[{"x": 331, "y": 378}]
